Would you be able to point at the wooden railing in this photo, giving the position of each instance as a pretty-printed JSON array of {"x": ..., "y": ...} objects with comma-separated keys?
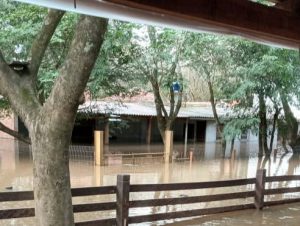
[{"x": 123, "y": 189}]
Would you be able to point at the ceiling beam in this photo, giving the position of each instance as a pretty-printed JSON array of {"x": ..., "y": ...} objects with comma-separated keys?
[
  {"x": 245, "y": 18},
  {"x": 260, "y": 23}
]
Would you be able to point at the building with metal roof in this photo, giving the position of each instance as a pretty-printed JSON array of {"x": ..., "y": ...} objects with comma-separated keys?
[
  {"x": 188, "y": 110},
  {"x": 136, "y": 122}
]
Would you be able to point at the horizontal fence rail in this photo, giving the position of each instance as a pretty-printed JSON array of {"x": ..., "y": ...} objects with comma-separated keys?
[
  {"x": 255, "y": 190},
  {"x": 188, "y": 186},
  {"x": 190, "y": 200},
  {"x": 138, "y": 154}
]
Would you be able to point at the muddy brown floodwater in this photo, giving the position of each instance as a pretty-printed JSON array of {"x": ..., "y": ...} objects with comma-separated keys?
[{"x": 210, "y": 163}]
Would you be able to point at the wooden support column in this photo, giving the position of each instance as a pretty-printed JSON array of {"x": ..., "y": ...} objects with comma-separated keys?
[
  {"x": 106, "y": 132},
  {"x": 99, "y": 147},
  {"x": 149, "y": 130},
  {"x": 168, "y": 148},
  {"x": 260, "y": 188},
  {"x": 195, "y": 132},
  {"x": 123, "y": 188},
  {"x": 186, "y": 136}
]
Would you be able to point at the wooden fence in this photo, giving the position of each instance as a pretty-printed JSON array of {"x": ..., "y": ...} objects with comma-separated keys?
[{"x": 123, "y": 189}]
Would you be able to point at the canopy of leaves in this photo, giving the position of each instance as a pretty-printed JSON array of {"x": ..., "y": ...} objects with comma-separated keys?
[
  {"x": 22, "y": 22},
  {"x": 112, "y": 73},
  {"x": 261, "y": 70}
]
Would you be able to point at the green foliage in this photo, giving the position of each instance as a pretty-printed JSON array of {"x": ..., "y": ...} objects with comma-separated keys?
[
  {"x": 134, "y": 56},
  {"x": 266, "y": 70},
  {"x": 56, "y": 54},
  {"x": 262, "y": 70},
  {"x": 209, "y": 56},
  {"x": 111, "y": 74},
  {"x": 158, "y": 55},
  {"x": 22, "y": 22},
  {"x": 235, "y": 127}
]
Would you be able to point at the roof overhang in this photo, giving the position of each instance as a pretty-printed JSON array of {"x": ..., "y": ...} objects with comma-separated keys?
[{"x": 260, "y": 23}]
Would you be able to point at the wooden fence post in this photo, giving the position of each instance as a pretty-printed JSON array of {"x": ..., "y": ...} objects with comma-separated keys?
[
  {"x": 99, "y": 147},
  {"x": 260, "y": 188},
  {"x": 123, "y": 187}
]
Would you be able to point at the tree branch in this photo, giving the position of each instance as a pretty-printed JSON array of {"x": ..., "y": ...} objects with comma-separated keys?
[
  {"x": 78, "y": 65},
  {"x": 19, "y": 92},
  {"x": 172, "y": 101},
  {"x": 157, "y": 98},
  {"x": 14, "y": 133},
  {"x": 179, "y": 100},
  {"x": 40, "y": 44}
]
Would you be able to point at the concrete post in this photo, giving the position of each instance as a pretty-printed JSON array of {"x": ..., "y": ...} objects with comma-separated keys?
[
  {"x": 168, "y": 148},
  {"x": 99, "y": 147}
]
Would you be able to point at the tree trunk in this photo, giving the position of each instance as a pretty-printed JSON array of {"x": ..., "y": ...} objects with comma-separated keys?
[
  {"x": 263, "y": 141},
  {"x": 50, "y": 124},
  {"x": 215, "y": 113},
  {"x": 291, "y": 121},
  {"x": 260, "y": 142},
  {"x": 161, "y": 123},
  {"x": 232, "y": 145},
  {"x": 277, "y": 111},
  {"x": 213, "y": 105},
  {"x": 52, "y": 190},
  {"x": 159, "y": 106}
]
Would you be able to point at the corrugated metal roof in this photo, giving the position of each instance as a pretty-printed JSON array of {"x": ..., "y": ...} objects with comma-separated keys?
[{"x": 144, "y": 109}]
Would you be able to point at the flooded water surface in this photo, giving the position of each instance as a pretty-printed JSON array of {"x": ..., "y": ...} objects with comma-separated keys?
[{"x": 209, "y": 163}]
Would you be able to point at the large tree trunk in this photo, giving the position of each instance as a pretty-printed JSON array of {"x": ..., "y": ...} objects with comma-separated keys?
[
  {"x": 52, "y": 193},
  {"x": 50, "y": 124},
  {"x": 51, "y": 130}
]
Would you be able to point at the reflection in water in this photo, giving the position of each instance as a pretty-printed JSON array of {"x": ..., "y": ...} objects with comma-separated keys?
[
  {"x": 210, "y": 163},
  {"x": 278, "y": 215}
]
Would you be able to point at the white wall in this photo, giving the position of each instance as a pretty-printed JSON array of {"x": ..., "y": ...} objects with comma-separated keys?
[
  {"x": 253, "y": 137},
  {"x": 211, "y": 131}
]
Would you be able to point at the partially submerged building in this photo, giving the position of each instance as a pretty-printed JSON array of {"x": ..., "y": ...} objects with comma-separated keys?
[
  {"x": 132, "y": 122},
  {"x": 135, "y": 122}
]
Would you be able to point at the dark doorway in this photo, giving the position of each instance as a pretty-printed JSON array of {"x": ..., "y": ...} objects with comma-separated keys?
[
  {"x": 191, "y": 131},
  {"x": 83, "y": 131},
  {"x": 201, "y": 129}
]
